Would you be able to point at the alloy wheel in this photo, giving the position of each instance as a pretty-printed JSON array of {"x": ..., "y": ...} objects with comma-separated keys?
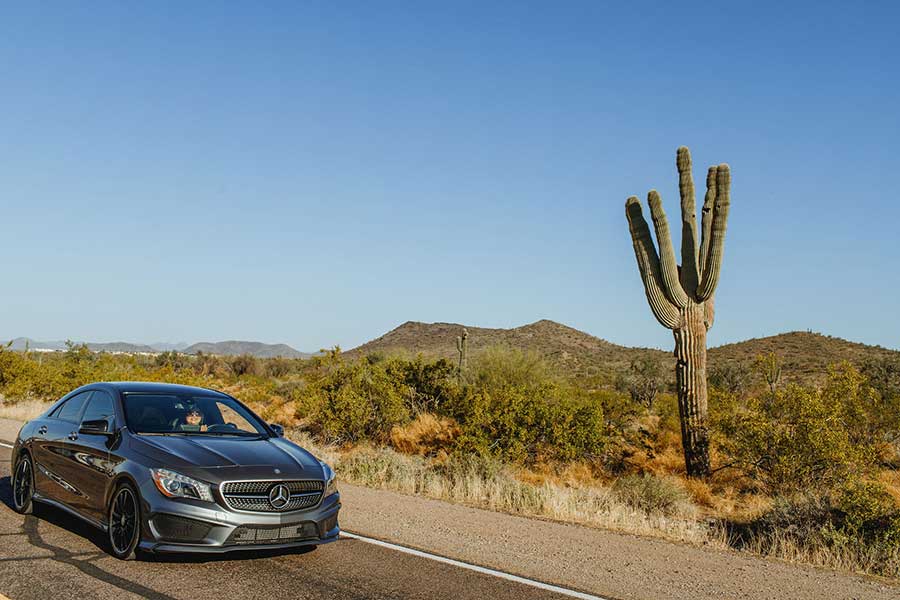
[
  {"x": 123, "y": 522},
  {"x": 22, "y": 485}
]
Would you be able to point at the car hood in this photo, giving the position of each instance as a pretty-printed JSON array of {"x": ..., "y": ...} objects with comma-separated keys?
[{"x": 226, "y": 458}]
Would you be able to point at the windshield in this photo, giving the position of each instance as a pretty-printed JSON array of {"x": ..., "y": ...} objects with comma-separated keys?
[{"x": 177, "y": 414}]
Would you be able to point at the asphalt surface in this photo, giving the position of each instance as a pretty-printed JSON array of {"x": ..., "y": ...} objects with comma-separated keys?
[{"x": 50, "y": 554}]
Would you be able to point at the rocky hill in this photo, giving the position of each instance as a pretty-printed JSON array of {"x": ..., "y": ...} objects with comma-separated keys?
[{"x": 805, "y": 355}]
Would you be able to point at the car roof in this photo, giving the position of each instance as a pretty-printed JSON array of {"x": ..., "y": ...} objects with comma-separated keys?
[{"x": 154, "y": 387}]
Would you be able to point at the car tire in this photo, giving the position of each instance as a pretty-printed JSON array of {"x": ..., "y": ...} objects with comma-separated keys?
[
  {"x": 23, "y": 485},
  {"x": 124, "y": 522}
]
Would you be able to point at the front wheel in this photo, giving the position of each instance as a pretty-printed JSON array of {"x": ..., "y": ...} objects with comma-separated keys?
[
  {"x": 124, "y": 522},
  {"x": 23, "y": 486}
]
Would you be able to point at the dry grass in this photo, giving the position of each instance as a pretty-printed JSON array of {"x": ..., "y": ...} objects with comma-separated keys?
[
  {"x": 426, "y": 434},
  {"x": 494, "y": 487},
  {"x": 848, "y": 557},
  {"x": 575, "y": 495},
  {"x": 891, "y": 481}
]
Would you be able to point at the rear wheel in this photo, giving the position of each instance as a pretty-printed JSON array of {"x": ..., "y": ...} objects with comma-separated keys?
[
  {"x": 124, "y": 522},
  {"x": 23, "y": 485}
]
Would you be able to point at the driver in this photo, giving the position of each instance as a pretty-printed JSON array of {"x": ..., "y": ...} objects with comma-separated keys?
[{"x": 193, "y": 421}]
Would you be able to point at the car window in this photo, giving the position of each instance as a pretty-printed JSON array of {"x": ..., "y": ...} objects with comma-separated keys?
[
  {"x": 72, "y": 407},
  {"x": 188, "y": 414},
  {"x": 55, "y": 413},
  {"x": 232, "y": 418},
  {"x": 99, "y": 407}
]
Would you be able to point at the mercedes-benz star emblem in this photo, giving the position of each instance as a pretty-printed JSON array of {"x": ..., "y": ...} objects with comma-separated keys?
[{"x": 279, "y": 496}]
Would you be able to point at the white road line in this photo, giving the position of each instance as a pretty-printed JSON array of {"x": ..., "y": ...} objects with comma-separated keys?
[
  {"x": 484, "y": 570},
  {"x": 5, "y": 445}
]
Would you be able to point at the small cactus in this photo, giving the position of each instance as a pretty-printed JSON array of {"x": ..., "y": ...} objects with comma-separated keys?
[
  {"x": 681, "y": 296},
  {"x": 462, "y": 348}
]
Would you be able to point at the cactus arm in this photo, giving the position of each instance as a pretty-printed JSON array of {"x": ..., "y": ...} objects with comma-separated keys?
[
  {"x": 690, "y": 273},
  {"x": 648, "y": 264},
  {"x": 706, "y": 224},
  {"x": 713, "y": 266},
  {"x": 667, "y": 265}
]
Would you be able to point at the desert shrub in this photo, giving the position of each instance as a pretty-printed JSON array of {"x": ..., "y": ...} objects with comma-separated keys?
[
  {"x": 644, "y": 379},
  {"x": 211, "y": 365},
  {"x": 278, "y": 367},
  {"x": 502, "y": 367},
  {"x": 510, "y": 407},
  {"x": 16, "y": 374},
  {"x": 173, "y": 359},
  {"x": 856, "y": 526},
  {"x": 357, "y": 401},
  {"x": 526, "y": 423},
  {"x": 652, "y": 494},
  {"x": 429, "y": 383},
  {"x": 732, "y": 377},
  {"x": 884, "y": 376},
  {"x": 244, "y": 364},
  {"x": 869, "y": 512},
  {"x": 800, "y": 437}
]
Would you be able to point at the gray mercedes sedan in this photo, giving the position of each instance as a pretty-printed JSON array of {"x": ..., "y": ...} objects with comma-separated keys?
[{"x": 173, "y": 468}]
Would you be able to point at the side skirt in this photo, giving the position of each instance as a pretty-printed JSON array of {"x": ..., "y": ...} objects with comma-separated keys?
[{"x": 55, "y": 504}]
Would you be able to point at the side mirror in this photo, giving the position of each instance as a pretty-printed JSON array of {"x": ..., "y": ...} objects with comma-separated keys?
[
  {"x": 97, "y": 427},
  {"x": 278, "y": 429}
]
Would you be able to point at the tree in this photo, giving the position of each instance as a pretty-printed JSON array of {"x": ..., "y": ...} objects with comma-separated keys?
[
  {"x": 731, "y": 376},
  {"x": 644, "y": 380},
  {"x": 681, "y": 296}
]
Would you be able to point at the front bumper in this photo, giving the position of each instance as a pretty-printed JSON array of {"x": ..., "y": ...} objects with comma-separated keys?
[{"x": 191, "y": 526}]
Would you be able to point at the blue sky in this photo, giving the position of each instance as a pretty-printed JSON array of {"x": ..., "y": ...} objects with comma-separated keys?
[{"x": 318, "y": 173}]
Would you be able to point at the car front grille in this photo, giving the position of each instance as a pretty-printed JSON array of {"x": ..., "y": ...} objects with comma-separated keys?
[
  {"x": 248, "y": 534},
  {"x": 253, "y": 496}
]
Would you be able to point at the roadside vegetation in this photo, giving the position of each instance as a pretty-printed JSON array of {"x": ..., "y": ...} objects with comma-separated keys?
[{"x": 807, "y": 473}]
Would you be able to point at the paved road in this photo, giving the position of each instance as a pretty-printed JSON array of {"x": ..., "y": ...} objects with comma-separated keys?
[{"x": 50, "y": 554}]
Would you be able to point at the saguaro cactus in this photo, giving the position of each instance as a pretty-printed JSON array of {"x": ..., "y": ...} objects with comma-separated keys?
[
  {"x": 681, "y": 296},
  {"x": 462, "y": 348}
]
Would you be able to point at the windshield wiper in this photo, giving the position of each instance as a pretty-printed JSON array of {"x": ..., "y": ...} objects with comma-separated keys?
[{"x": 221, "y": 433}]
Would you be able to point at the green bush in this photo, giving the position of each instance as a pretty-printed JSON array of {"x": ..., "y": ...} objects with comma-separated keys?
[
  {"x": 859, "y": 522},
  {"x": 500, "y": 367},
  {"x": 523, "y": 424},
  {"x": 652, "y": 494},
  {"x": 800, "y": 437},
  {"x": 358, "y": 401}
]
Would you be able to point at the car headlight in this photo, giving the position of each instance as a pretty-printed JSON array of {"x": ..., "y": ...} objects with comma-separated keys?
[
  {"x": 330, "y": 483},
  {"x": 176, "y": 485}
]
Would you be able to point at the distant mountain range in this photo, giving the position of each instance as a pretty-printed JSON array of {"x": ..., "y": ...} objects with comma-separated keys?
[
  {"x": 227, "y": 348},
  {"x": 805, "y": 355},
  {"x": 237, "y": 348}
]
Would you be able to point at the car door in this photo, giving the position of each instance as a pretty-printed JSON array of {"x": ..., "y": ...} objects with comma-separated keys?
[
  {"x": 50, "y": 454},
  {"x": 89, "y": 464},
  {"x": 40, "y": 447}
]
